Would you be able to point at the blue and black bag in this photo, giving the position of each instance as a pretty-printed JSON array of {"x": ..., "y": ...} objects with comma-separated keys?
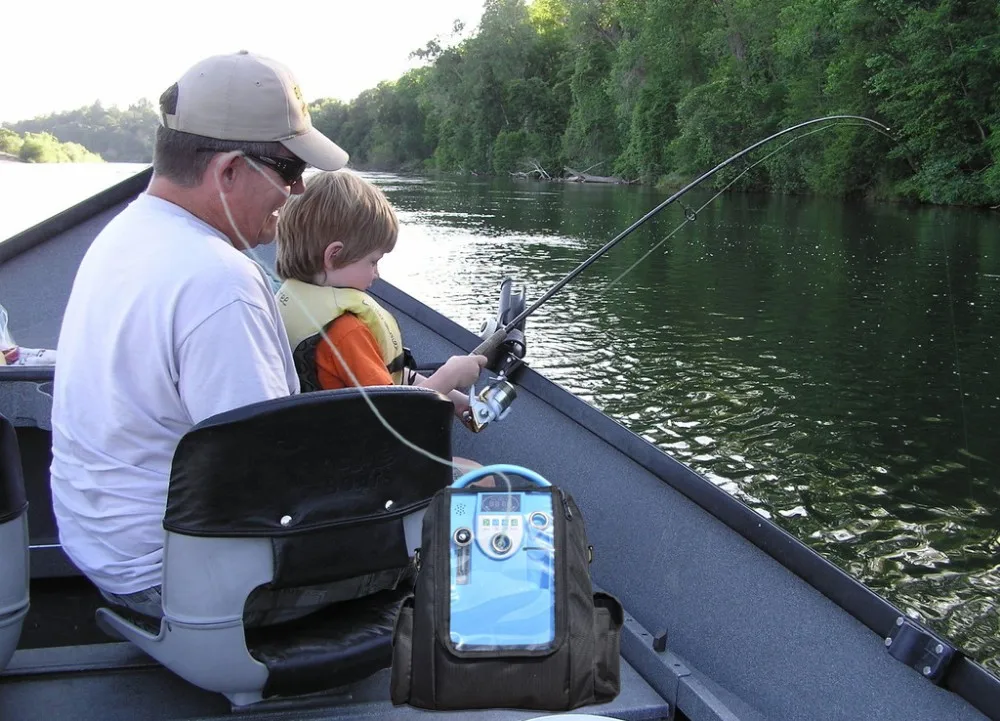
[{"x": 503, "y": 612}]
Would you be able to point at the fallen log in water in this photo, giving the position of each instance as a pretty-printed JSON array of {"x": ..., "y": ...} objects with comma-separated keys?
[{"x": 576, "y": 176}]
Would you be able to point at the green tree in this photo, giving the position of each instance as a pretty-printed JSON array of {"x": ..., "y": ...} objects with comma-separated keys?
[
  {"x": 116, "y": 135},
  {"x": 938, "y": 83},
  {"x": 660, "y": 90},
  {"x": 10, "y": 142},
  {"x": 592, "y": 134},
  {"x": 46, "y": 148}
]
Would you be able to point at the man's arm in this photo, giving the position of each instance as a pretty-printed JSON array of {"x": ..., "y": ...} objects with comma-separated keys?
[{"x": 232, "y": 359}]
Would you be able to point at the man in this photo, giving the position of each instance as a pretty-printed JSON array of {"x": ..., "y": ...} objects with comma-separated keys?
[{"x": 168, "y": 322}]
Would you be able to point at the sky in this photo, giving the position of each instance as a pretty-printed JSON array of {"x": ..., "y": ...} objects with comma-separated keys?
[{"x": 66, "y": 54}]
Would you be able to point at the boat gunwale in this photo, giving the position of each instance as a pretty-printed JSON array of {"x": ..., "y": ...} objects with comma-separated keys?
[{"x": 74, "y": 215}]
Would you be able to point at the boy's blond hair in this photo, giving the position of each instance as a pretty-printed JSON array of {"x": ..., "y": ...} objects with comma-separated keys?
[{"x": 336, "y": 206}]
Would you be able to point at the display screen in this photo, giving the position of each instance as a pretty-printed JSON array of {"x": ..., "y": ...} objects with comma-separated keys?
[{"x": 501, "y": 503}]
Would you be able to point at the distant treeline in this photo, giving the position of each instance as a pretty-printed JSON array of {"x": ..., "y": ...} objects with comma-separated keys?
[
  {"x": 661, "y": 90},
  {"x": 43, "y": 148},
  {"x": 116, "y": 135}
]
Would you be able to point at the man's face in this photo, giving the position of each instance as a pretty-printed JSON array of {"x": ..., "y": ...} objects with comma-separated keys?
[{"x": 259, "y": 192}]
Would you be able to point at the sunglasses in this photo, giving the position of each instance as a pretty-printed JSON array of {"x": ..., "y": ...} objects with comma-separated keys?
[{"x": 290, "y": 169}]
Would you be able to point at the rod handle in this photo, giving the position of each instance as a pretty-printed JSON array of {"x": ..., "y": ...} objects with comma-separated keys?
[{"x": 489, "y": 346}]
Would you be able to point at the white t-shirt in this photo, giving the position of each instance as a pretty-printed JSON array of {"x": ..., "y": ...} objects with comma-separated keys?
[{"x": 166, "y": 325}]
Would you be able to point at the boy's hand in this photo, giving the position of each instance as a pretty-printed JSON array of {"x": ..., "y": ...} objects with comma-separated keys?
[
  {"x": 463, "y": 408},
  {"x": 459, "y": 371},
  {"x": 461, "y": 401},
  {"x": 463, "y": 370}
]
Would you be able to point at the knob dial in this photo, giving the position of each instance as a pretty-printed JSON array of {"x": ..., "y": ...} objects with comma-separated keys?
[
  {"x": 539, "y": 520},
  {"x": 501, "y": 543}
]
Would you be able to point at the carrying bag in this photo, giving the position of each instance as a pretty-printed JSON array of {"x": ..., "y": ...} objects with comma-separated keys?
[{"x": 503, "y": 613}]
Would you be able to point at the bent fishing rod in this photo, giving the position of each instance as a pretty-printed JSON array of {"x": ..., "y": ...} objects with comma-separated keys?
[
  {"x": 490, "y": 345},
  {"x": 495, "y": 399}
]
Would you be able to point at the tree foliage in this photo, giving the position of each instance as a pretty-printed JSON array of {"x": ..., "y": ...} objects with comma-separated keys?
[
  {"x": 661, "y": 90},
  {"x": 116, "y": 135},
  {"x": 44, "y": 148}
]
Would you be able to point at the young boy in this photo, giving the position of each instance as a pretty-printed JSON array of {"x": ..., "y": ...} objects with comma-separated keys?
[{"x": 330, "y": 240}]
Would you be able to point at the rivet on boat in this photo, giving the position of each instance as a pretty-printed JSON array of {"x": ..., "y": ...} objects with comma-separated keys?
[
  {"x": 888, "y": 641},
  {"x": 927, "y": 670},
  {"x": 939, "y": 648},
  {"x": 285, "y": 520},
  {"x": 388, "y": 504}
]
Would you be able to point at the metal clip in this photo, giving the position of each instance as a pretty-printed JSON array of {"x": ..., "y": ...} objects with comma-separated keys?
[{"x": 919, "y": 648}]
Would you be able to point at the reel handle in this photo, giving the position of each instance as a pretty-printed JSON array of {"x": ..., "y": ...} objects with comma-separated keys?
[{"x": 476, "y": 473}]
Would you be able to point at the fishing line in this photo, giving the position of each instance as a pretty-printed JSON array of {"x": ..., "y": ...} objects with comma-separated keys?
[
  {"x": 316, "y": 324},
  {"x": 951, "y": 311},
  {"x": 954, "y": 340},
  {"x": 690, "y": 216}
]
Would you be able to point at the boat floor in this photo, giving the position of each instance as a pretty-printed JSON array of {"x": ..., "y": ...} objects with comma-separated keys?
[{"x": 104, "y": 680}]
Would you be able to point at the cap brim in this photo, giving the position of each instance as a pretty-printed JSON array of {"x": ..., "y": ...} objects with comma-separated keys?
[{"x": 317, "y": 150}]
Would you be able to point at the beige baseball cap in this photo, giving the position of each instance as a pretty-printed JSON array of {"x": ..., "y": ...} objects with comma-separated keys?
[{"x": 248, "y": 97}]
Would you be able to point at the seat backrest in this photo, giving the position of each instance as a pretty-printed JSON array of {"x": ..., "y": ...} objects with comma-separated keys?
[
  {"x": 318, "y": 474},
  {"x": 13, "y": 501},
  {"x": 13, "y": 543}
]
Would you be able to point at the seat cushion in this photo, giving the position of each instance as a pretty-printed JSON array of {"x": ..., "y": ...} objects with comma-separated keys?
[{"x": 344, "y": 643}]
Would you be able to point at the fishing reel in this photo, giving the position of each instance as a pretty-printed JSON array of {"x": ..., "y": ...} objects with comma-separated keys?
[{"x": 493, "y": 402}]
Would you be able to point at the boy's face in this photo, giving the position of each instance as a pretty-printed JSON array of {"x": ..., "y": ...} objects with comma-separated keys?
[{"x": 360, "y": 274}]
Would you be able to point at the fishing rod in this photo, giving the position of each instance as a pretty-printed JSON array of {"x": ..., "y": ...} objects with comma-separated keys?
[{"x": 494, "y": 401}]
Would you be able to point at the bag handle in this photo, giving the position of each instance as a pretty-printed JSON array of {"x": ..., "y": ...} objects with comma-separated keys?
[{"x": 476, "y": 473}]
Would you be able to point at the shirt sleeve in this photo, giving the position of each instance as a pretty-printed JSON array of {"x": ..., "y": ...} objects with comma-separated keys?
[
  {"x": 231, "y": 359},
  {"x": 359, "y": 351}
]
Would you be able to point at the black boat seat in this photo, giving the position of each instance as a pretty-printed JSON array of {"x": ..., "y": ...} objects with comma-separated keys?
[
  {"x": 289, "y": 493},
  {"x": 343, "y": 644},
  {"x": 13, "y": 543}
]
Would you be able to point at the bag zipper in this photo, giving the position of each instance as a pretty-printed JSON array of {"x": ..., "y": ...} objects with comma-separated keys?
[{"x": 565, "y": 505}]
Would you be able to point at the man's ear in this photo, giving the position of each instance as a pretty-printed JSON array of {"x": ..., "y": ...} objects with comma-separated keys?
[
  {"x": 331, "y": 253},
  {"x": 225, "y": 169}
]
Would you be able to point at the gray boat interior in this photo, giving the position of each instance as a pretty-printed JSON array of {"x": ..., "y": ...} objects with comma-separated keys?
[{"x": 757, "y": 626}]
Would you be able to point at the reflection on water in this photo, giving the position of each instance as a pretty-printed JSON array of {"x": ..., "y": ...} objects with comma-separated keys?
[{"x": 832, "y": 365}]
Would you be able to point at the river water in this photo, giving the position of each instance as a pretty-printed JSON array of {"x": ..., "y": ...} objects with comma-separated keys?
[{"x": 831, "y": 364}]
